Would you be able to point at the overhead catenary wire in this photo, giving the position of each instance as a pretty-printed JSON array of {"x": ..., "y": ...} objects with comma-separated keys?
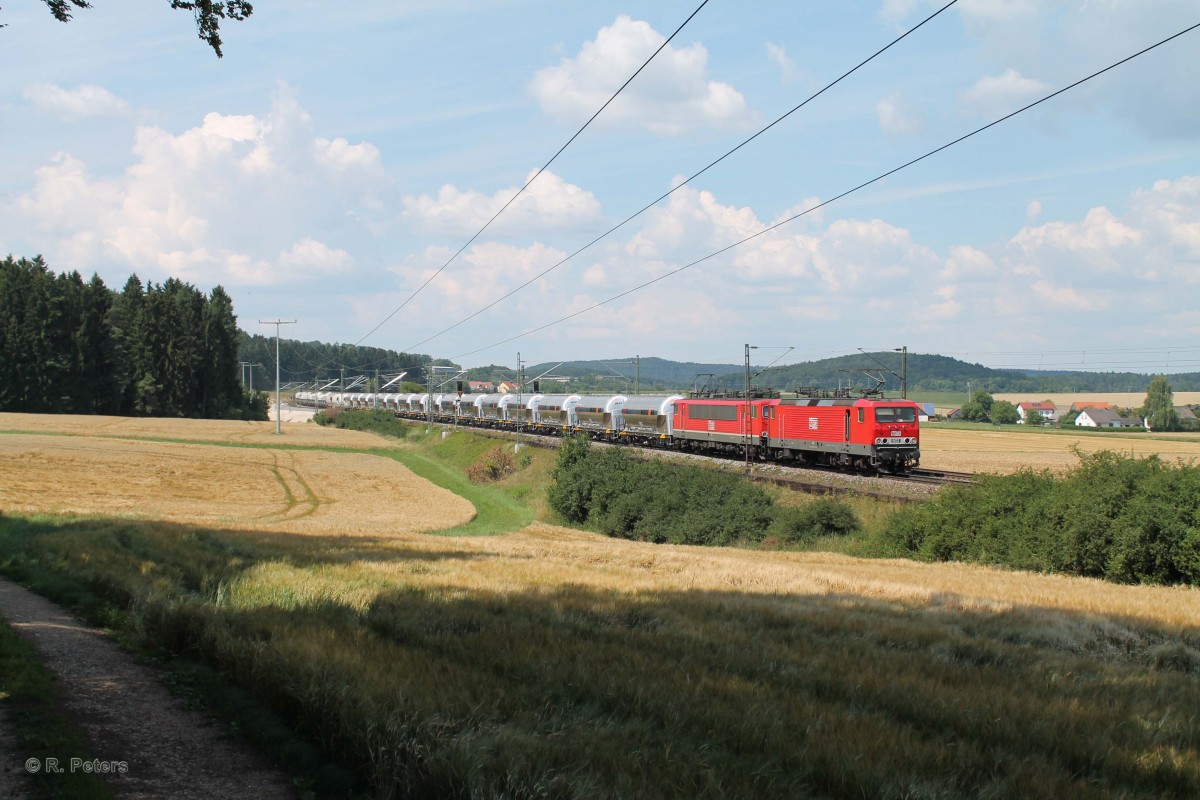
[
  {"x": 543, "y": 168},
  {"x": 835, "y": 198},
  {"x": 688, "y": 180}
]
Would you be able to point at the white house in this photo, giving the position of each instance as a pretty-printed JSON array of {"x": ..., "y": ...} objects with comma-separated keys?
[
  {"x": 1045, "y": 408},
  {"x": 1105, "y": 418}
]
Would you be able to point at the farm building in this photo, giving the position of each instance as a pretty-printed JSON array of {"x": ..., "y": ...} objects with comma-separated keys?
[
  {"x": 1083, "y": 405},
  {"x": 1045, "y": 408},
  {"x": 1105, "y": 418}
]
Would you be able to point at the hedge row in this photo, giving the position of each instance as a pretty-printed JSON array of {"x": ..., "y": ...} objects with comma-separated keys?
[
  {"x": 1126, "y": 519},
  {"x": 608, "y": 491}
]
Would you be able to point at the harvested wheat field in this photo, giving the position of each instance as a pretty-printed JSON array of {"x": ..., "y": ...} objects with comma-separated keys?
[
  {"x": 296, "y": 491},
  {"x": 305, "y": 434},
  {"x": 552, "y": 659},
  {"x": 548, "y": 557},
  {"x": 1006, "y": 451}
]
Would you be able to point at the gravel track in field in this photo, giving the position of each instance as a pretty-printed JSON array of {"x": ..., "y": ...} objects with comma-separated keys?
[{"x": 128, "y": 715}]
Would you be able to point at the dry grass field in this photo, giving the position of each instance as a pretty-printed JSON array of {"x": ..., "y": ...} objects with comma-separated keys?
[
  {"x": 563, "y": 662},
  {"x": 1010, "y": 449},
  {"x": 334, "y": 493},
  {"x": 202, "y": 430},
  {"x": 296, "y": 491}
]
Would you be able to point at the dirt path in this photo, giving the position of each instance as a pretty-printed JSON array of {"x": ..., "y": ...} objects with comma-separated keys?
[{"x": 170, "y": 750}]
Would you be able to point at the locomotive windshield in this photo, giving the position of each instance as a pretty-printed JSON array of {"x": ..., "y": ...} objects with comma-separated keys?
[{"x": 895, "y": 414}]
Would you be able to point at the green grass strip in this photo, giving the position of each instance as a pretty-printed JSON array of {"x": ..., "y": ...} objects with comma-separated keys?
[{"x": 495, "y": 511}]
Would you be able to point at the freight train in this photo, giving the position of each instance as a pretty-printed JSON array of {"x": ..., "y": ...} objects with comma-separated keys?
[{"x": 857, "y": 433}]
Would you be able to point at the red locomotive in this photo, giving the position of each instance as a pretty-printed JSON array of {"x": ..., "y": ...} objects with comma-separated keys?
[{"x": 840, "y": 431}]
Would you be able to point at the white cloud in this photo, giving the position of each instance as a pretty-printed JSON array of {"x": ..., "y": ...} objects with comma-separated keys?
[
  {"x": 965, "y": 263},
  {"x": 670, "y": 97},
  {"x": 482, "y": 273},
  {"x": 996, "y": 96},
  {"x": 1056, "y": 279},
  {"x": 339, "y": 155},
  {"x": 236, "y": 199},
  {"x": 779, "y": 57},
  {"x": 310, "y": 257},
  {"x": 894, "y": 12},
  {"x": 1063, "y": 41},
  {"x": 897, "y": 117},
  {"x": 1069, "y": 298},
  {"x": 549, "y": 202},
  {"x": 83, "y": 102},
  {"x": 1033, "y": 211}
]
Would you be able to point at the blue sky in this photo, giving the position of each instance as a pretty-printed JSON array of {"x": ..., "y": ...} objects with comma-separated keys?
[{"x": 339, "y": 154}]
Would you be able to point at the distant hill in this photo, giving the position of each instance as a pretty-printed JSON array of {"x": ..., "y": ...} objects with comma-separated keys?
[
  {"x": 621, "y": 374},
  {"x": 310, "y": 361},
  {"x": 941, "y": 373},
  {"x": 926, "y": 372}
]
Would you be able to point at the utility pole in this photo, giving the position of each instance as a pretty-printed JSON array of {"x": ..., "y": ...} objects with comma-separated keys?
[
  {"x": 637, "y": 375},
  {"x": 520, "y": 399},
  {"x": 903, "y": 372},
  {"x": 746, "y": 424},
  {"x": 277, "y": 323}
]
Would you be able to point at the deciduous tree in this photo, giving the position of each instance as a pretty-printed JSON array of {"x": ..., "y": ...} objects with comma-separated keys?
[
  {"x": 207, "y": 13},
  {"x": 1005, "y": 413},
  {"x": 1160, "y": 406}
]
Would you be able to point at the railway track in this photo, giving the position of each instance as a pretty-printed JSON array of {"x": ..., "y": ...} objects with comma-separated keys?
[
  {"x": 939, "y": 477},
  {"x": 796, "y": 478}
]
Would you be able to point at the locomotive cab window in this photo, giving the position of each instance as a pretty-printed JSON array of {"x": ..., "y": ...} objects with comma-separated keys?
[
  {"x": 861, "y": 415},
  {"x": 895, "y": 414}
]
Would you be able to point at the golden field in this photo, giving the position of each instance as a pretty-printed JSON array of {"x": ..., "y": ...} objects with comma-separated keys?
[
  {"x": 547, "y": 661},
  {"x": 295, "y": 491},
  {"x": 1008, "y": 450},
  {"x": 204, "y": 430},
  {"x": 335, "y": 493}
]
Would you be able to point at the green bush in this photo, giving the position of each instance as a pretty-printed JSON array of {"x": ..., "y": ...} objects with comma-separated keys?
[
  {"x": 611, "y": 492},
  {"x": 1113, "y": 516},
  {"x": 821, "y": 517},
  {"x": 371, "y": 420}
]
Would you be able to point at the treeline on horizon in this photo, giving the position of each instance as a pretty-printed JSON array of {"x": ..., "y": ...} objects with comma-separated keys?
[
  {"x": 75, "y": 347},
  {"x": 311, "y": 362}
]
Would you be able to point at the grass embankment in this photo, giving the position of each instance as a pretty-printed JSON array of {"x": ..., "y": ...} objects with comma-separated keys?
[{"x": 559, "y": 664}]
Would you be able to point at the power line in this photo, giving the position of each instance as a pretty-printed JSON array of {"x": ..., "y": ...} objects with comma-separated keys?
[
  {"x": 535, "y": 176},
  {"x": 679, "y": 186},
  {"x": 863, "y": 185}
]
